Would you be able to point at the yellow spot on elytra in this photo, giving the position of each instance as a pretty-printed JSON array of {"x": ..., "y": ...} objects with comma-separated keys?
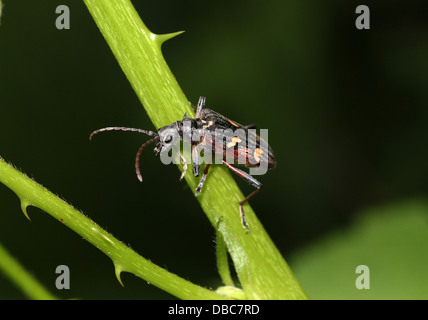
[
  {"x": 210, "y": 123},
  {"x": 257, "y": 154},
  {"x": 234, "y": 141}
]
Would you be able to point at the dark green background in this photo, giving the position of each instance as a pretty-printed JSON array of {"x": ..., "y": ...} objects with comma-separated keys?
[{"x": 346, "y": 111}]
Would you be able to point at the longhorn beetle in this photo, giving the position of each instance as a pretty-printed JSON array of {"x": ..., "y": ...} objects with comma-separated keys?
[{"x": 206, "y": 130}]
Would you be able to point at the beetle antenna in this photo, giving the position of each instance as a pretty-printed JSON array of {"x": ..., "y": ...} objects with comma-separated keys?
[
  {"x": 137, "y": 159},
  {"x": 148, "y": 132}
]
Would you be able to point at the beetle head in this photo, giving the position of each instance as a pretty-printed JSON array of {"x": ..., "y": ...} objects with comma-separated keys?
[{"x": 168, "y": 136}]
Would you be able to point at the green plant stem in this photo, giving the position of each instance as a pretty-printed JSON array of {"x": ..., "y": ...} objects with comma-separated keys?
[
  {"x": 124, "y": 258},
  {"x": 262, "y": 271},
  {"x": 223, "y": 261},
  {"x": 12, "y": 269}
]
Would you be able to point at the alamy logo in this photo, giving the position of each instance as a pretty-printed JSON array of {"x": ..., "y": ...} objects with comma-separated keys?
[
  {"x": 363, "y": 20},
  {"x": 237, "y": 146},
  {"x": 63, "y": 20},
  {"x": 63, "y": 280},
  {"x": 363, "y": 280}
]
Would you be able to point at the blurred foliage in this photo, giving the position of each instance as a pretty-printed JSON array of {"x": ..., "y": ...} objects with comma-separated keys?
[
  {"x": 346, "y": 112},
  {"x": 391, "y": 240}
]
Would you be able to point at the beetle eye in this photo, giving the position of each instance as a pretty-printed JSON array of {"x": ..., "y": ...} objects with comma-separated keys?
[{"x": 168, "y": 139}]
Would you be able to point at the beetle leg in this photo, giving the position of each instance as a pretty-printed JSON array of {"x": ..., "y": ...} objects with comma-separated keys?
[
  {"x": 201, "y": 105},
  {"x": 195, "y": 161},
  {"x": 184, "y": 163},
  {"x": 241, "y": 209},
  {"x": 250, "y": 179},
  {"x": 203, "y": 178}
]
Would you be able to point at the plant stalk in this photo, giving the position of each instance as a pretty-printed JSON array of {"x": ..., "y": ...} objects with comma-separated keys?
[{"x": 262, "y": 271}]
